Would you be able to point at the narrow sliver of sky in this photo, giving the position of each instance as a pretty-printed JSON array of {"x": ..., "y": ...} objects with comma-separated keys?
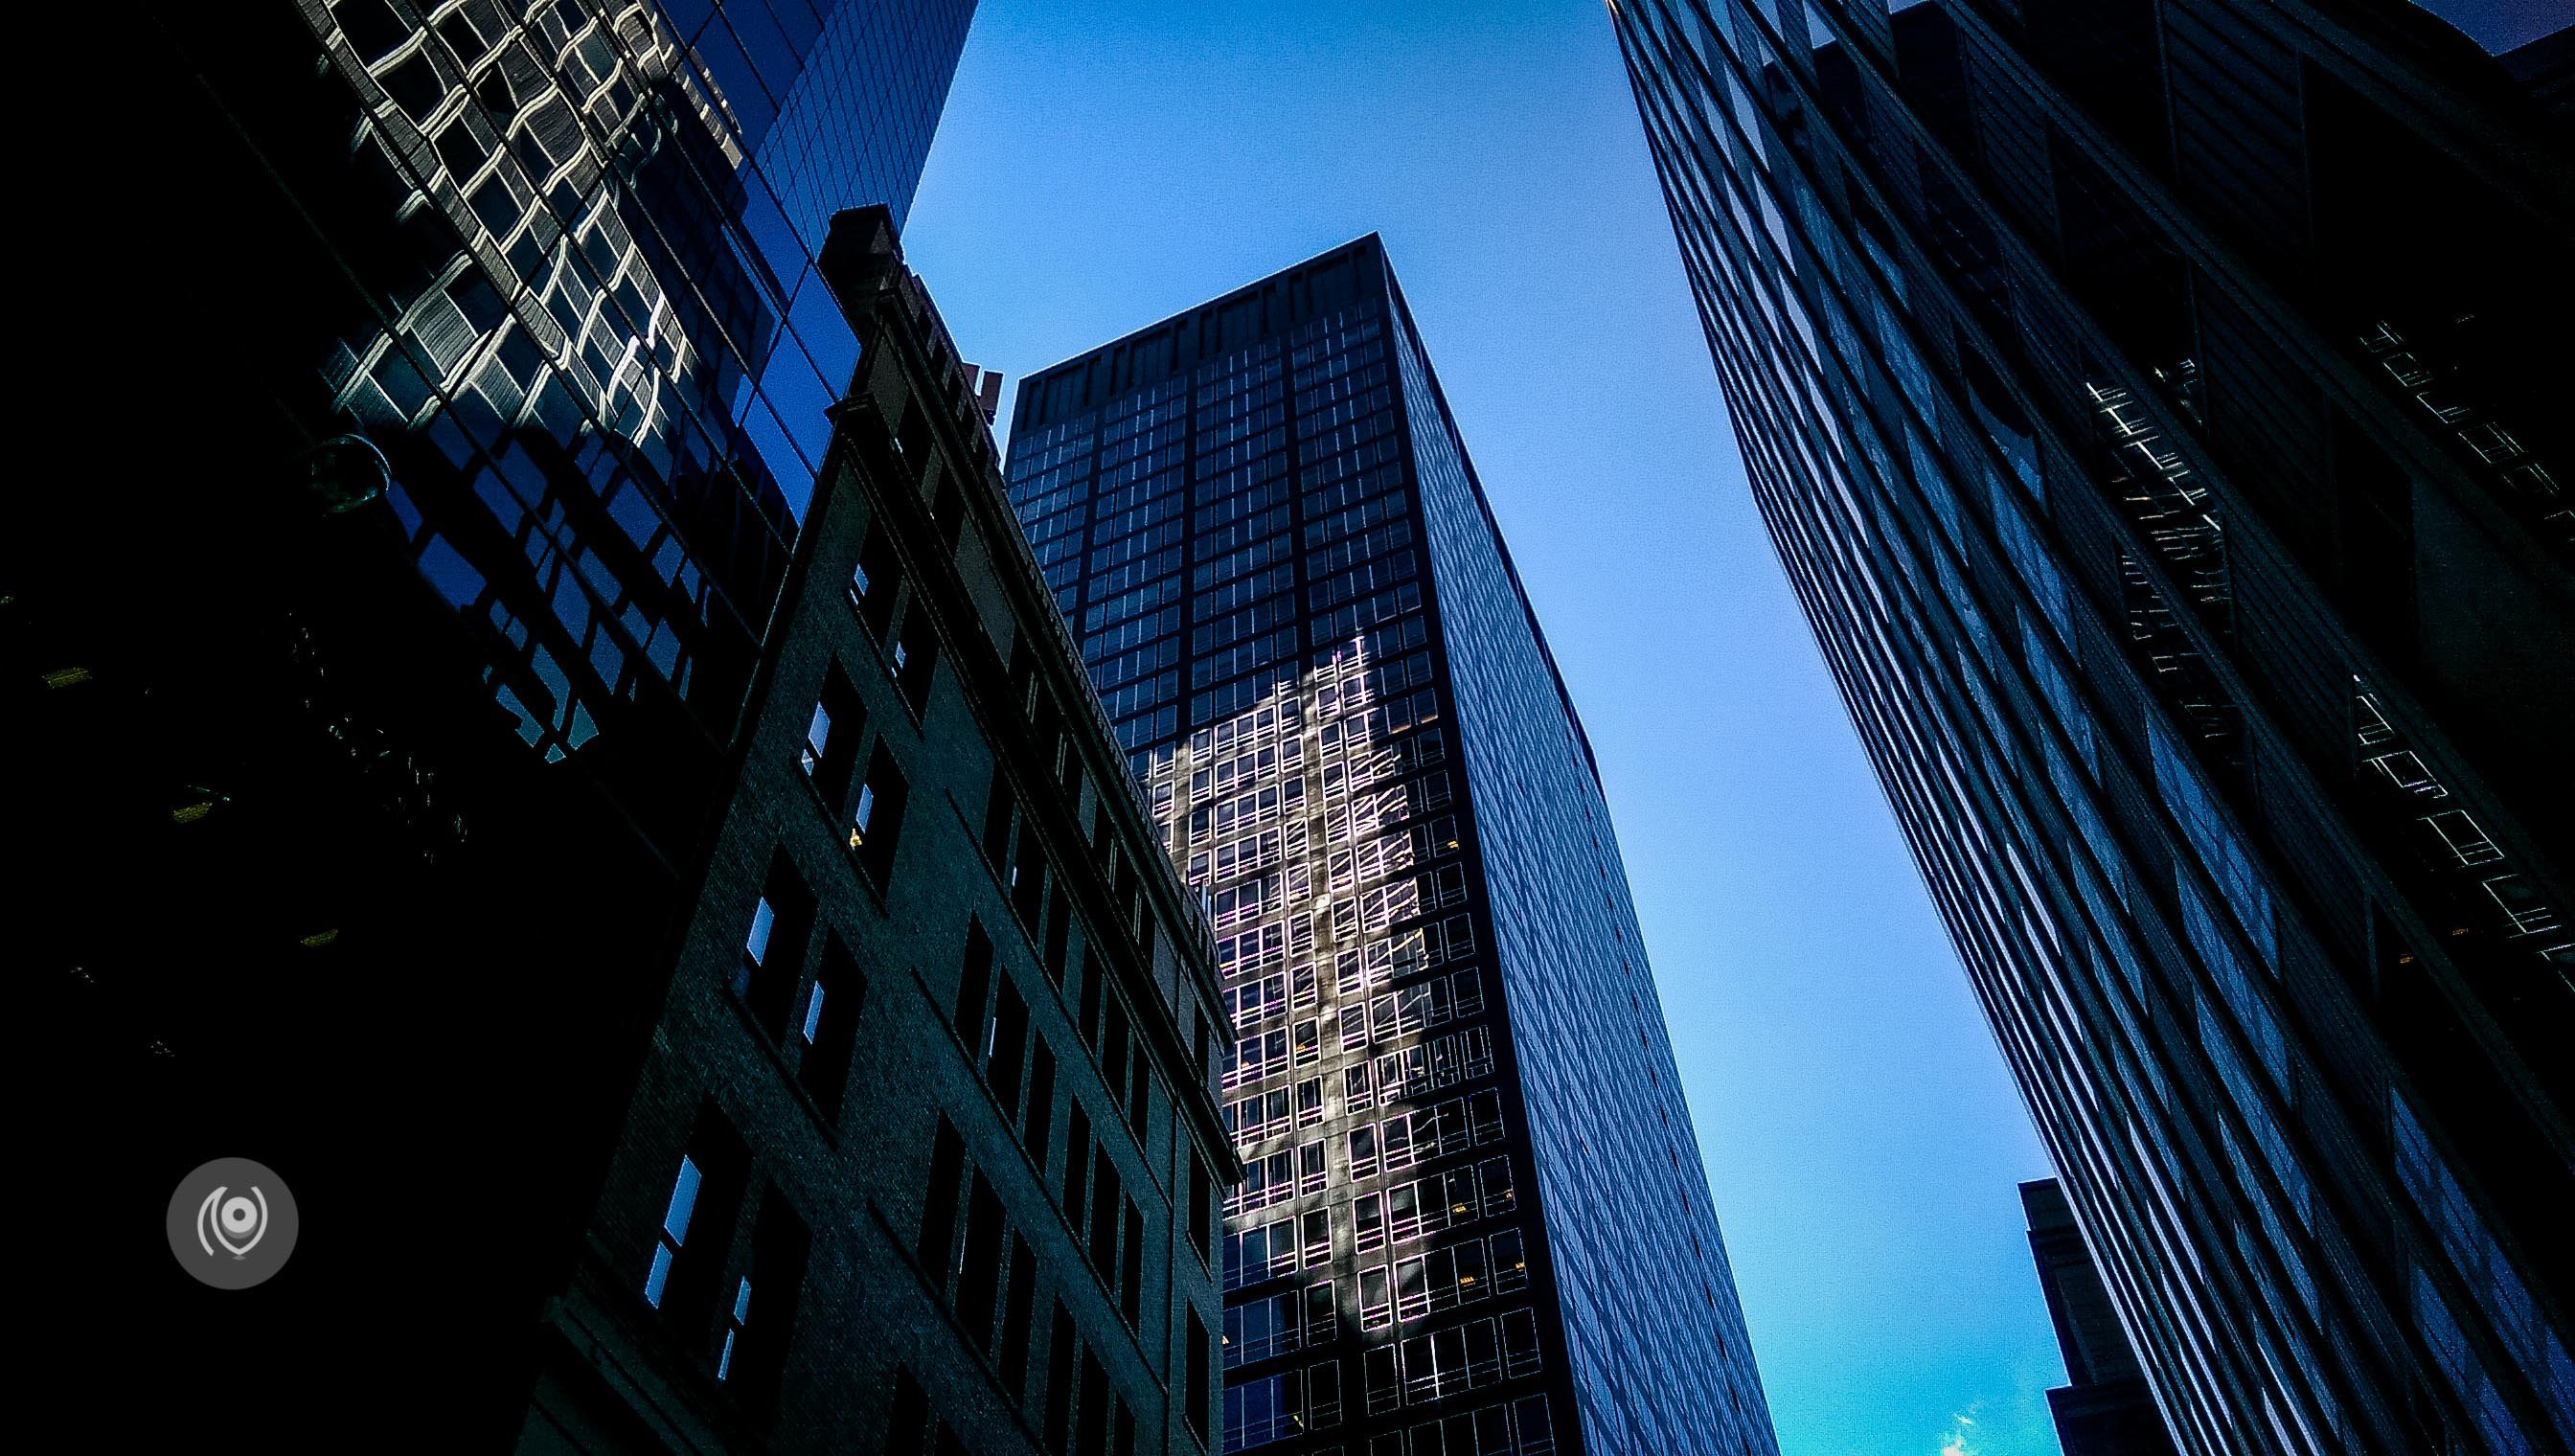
[{"x": 1103, "y": 165}]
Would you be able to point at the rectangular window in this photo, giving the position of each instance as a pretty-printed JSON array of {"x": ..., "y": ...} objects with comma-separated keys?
[
  {"x": 1003, "y": 1062},
  {"x": 831, "y": 738},
  {"x": 678, "y": 1216},
  {"x": 1059, "y": 933},
  {"x": 1077, "y": 1165},
  {"x": 1059, "y": 1399},
  {"x": 753, "y": 1356},
  {"x": 1520, "y": 1343},
  {"x": 997, "y": 812},
  {"x": 939, "y": 1210},
  {"x": 1385, "y": 1385},
  {"x": 829, "y": 1028},
  {"x": 975, "y": 992},
  {"x": 1039, "y": 1125},
  {"x": 916, "y": 658},
  {"x": 1140, "y": 1097},
  {"x": 1131, "y": 1271},
  {"x": 1094, "y": 1420},
  {"x": 697, "y": 1223},
  {"x": 1202, "y": 1205},
  {"x": 1195, "y": 1406},
  {"x": 1537, "y": 1431},
  {"x": 1027, "y": 876},
  {"x": 1105, "y": 1197},
  {"x": 877, "y": 819},
  {"x": 980, "y": 1272},
  {"x": 874, "y": 584},
  {"x": 1014, "y": 1317},
  {"x": 773, "y": 948}
]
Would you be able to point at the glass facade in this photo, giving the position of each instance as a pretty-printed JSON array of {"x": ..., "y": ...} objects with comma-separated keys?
[
  {"x": 2157, "y": 406},
  {"x": 561, "y": 276},
  {"x": 1472, "y": 1182}
]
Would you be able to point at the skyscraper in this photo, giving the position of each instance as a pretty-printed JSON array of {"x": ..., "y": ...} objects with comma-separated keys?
[
  {"x": 1474, "y": 1221},
  {"x": 447, "y": 806},
  {"x": 2157, "y": 406},
  {"x": 555, "y": 263},
  {"x": 2103, "y": 1408}
]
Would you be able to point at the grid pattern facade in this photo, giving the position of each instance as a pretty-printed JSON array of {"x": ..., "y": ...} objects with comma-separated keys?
[
  {"x": 1466, "y": 1183},
  {"x": 2156, "y": 407},
  {"x": 568, "y": 293}
]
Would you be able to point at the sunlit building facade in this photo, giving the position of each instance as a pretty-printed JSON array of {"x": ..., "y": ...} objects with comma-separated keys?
[
  {"x": 1474, "y": 1221},
  {"x": 2158, "y": 408}
]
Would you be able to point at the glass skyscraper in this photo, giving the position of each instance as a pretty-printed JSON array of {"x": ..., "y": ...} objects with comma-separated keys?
[
  {"x": 2158, "y": 406},
  {"x": 1475, "y": 1221},
  {"x": 554, "y": 262}
]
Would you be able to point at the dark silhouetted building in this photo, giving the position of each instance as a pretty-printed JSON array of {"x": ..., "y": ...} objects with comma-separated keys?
[
  {"x": 886, "y": 1123},
  {"x": 2104, "y": 1408},
  {"x": 514, "y": 765},
  {"x": 2158, "y": 406},
  {"x": 930, "y": 949},
  {"x": 1473, "y": 1218}
]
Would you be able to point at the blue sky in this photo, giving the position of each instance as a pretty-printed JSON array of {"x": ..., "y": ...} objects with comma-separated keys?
[{"x": 1103, "y": 165}]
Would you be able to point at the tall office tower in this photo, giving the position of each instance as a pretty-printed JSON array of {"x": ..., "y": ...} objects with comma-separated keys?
[
  {"x": 400, "y": 637},
  {"x": 554, "y": 262},
  {"x": 2103, "y": 1409},
  {"x": 1474, "y": 1221},
  {"x": 2157, "y": 406}
]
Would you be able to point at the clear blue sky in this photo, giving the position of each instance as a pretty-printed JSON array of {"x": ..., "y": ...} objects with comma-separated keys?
[{"x": 1105, "y": 164}]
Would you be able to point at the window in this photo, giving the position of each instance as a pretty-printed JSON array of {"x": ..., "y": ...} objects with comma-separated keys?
[
  {"x": 939, "y": 1210},
  {"x": 1059, "y": 934},
  {"x": 911, "y": 442},
  {"x": 1113, "y": 1047},
  {"x": 1009, "y": 1050},
  {"x": 1376, "y": 1298},
  {"x": 773, "y": 948},
  {"x": 1140, "y": 1097},
  {"x": 1276, "y": 1408},
  {"x": 831, "y": 738},
  {"x": 877, "y": 819},
  {"x": 1520, "y": 1343},
  {"x": 980, "y": 1272},
  {"x": 998, "y": 811},
  {"x": 1201, "y": 1204},
  {"x": 829, "y": 1028},
  {"x": 1027, "y": 876},
  {"x": 1537, "y": 1431},
  {"x": 875, "y": 582},
  {"x": 1194, "y": 1407},
  {"x": 697, "y": 1223},
  {"x": 676, "y": 1220},
  {"x": 1093, "y": 1437},
  {"x": 1040, "y": 1112},
  {"x": 975, "y": 992},
  {"x": 916, "y": 657},
  {"x": 1014, "y": 1317},
  {"x": 1131, "y": 1272},
  {"x": 753, "y": 1355},
  {"x": 1105, "y": 1197},
  {"x": 1077, "y": 1165},
  {"x": 1384, "y": 1384},
  {"x": 1059, "y": 1401}
]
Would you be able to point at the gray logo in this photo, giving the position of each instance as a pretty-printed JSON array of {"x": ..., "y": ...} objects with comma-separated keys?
[{"x": 232, "y": 1223}]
